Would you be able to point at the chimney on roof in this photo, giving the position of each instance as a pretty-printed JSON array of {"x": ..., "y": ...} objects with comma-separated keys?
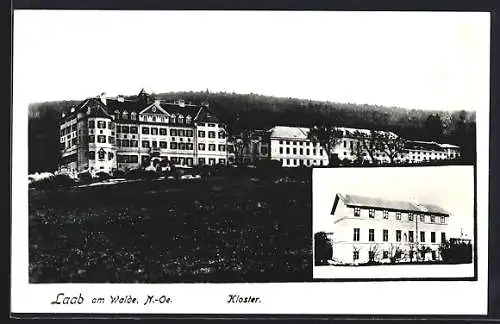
[
  {"x": 182, "y": 103},
  {"x": 102, "y": 96}
]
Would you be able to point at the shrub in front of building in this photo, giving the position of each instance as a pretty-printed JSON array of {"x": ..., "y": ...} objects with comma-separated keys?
[
  {"x": 323, "y": 250},
  {"x": 456, "y": 252}
]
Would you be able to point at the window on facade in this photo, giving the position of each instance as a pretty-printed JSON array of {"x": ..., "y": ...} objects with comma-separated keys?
[
  {"x": 180, "y": 119},
  {"x": 222, "y": 161},
  {"x": 117, "y": 114},
  {"x": 371, "y": 213},
  {"x": 386, "y": 214},
  {"x": 371, "y": 235},
  {"x": 153, "y": 118},
  {"x": 125, "y": 129},
  {"x": 357, "y": 211},
  {"x": 398, "y": 235},
  {"x": 201, "y": 133},
  {"x": 442, "y": 219},
  {"x": 155, "y": 143},
  {"x": 133, "y": 115},
  {"x": 211, "y": 147},
  {"x": 91, "y": 155},
  {"x": 422, "y": 218},
  {"x": 294, "y": 150},
  {"x": 173, "y": 132},
  {"x": 101, "y": 154},
  {"x": 163, "y": 131},
  {"x": 91, "y": 124},
  {"x": 111, "y": 140},
  {"x": 188, "y": 119},
  {"x": 410, "y": 236},
  {"x": 201, "y": 161},
  {"x": 125, "y": 143},
  {"x": 189, "y": 146},
  {"x": 355, "y": 255},
  {"x": 173, "y": 145},
  {"x": 287, "y": 150},
  {"x": 222, "y": 134},
  {"x": 222, "y": 148},
  {"x": 410, "y": 217},
  {"x": 133, "y": 130},
  {"x": 443, "y": 237},
  {"x": 110, "y": 155},
  {"x": 163, "y": 144},
  {"x": 385, "y": 235},
  {"x": 211, "y": 134},
  {"x": 281, "y": 150},
  {"x": 433, "y": 237},
  {"x": 154, "y": 131},
  {"x": 422, "y": 236},
  {"x": 134, "y": 143},
  {"x": 314, "y": 151},
  {"x": 101, "y": 139},
  {"x": 356, "y": 234},
  {"x": 145, "y": 130},
  {"x": 201, "y": 147},
  {"x": 125, "y": 114},
  {"x": 433, "y": 219},
  {"x": 301, "y": 151},
  {"x": 145, "y": 144}
]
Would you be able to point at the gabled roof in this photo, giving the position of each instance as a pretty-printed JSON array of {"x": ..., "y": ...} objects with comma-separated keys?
[
  {"x": 422, "y": 145},
  {"x": 449, "y": 146},
  {"x": 173, "y": 108},
  {"x": 377, "y": 203},
  {"x": 206, "y": 115},
  {"x": 155, "y": 109},
  {"x": 287, "y": 132},
  {"x": 94, "y": 107}
]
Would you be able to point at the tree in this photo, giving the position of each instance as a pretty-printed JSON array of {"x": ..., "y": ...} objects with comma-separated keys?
[
  {"x": 373, "y": 253},
  {"x": 328, "y": 137},
  {"x": 395, "y": 253},
  {"x": 323, "y": 250},
  {"x": 422, "y": 251},
  {"x": 390, "y": 144},
  {"x": 434, "y": 127}
]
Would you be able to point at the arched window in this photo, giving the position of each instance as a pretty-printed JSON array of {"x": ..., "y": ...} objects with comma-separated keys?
[
  {"x": 188, "y": 119},
  {"x": 167, "y": 120},
  {"x": 180, "y": 119},
  {"x": 117, "y": 114},
  {"x": 173, "y": 119},
  {"x": 133, "y": 115},
  {"x": 125, "y": 114}
]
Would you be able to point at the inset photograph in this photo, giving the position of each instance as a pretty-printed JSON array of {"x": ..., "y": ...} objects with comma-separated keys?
[{"x": 394, "y": 223}]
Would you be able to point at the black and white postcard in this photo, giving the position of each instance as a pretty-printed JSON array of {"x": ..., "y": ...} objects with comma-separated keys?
[{"x": 250, "y": 162}]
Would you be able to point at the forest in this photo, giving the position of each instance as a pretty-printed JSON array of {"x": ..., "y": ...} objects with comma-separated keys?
[{"x": 253, "y": 111}]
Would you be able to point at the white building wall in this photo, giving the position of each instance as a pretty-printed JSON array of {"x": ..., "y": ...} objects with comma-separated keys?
[
  {"x": 344, "y": 223},
  {"x": 293, "y": 152}
]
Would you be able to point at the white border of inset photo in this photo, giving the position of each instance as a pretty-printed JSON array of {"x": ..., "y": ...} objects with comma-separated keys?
[{"x": 402, "y": 200}]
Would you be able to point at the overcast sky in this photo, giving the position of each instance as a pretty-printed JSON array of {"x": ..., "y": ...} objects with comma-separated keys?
[
  {"x": 438, "y": 185},
  {"x": 413, "y": 59}
]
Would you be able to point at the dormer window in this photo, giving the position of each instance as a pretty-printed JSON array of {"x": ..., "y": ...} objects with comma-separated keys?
[
  {"x": 125, "y": 114},
  {"x": 188, "y": 120},
  {"x": 173, "y": 119},
  {"x": 133, "y": 115},
  {"x": 117, "y": 114},
  {"x": 181, "y": 119}
]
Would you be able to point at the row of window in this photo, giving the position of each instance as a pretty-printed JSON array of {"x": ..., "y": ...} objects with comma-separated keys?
[
  {"x": 385, "y": 255},
  {"x": 100, "y": 124},
  {"x": 411, "y": 216},
  {"x": 297, "y": 162},
  {"x": 101, "y": 139},
  {"x": 282, "y": 142},
  {"x": 120, "y": 158},
  {"x": 407, "y": 237},
  {"x": 68, "y": 129},
  {"x": 101, "y": 155},
  {"x": 301, "y": 151}
]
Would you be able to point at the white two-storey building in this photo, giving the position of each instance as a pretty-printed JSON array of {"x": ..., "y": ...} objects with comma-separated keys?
[{"x": 366, "y": 228}]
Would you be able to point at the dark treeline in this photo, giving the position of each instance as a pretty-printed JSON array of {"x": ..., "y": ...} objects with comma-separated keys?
[{"x": 252, "y": 111}]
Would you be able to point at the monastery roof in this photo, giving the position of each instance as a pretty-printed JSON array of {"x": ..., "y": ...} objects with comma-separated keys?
[
  {"x": 297, "y": 133},
  {"x": 370, "y": 202},
  {"x": 421, "y": 145}
]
